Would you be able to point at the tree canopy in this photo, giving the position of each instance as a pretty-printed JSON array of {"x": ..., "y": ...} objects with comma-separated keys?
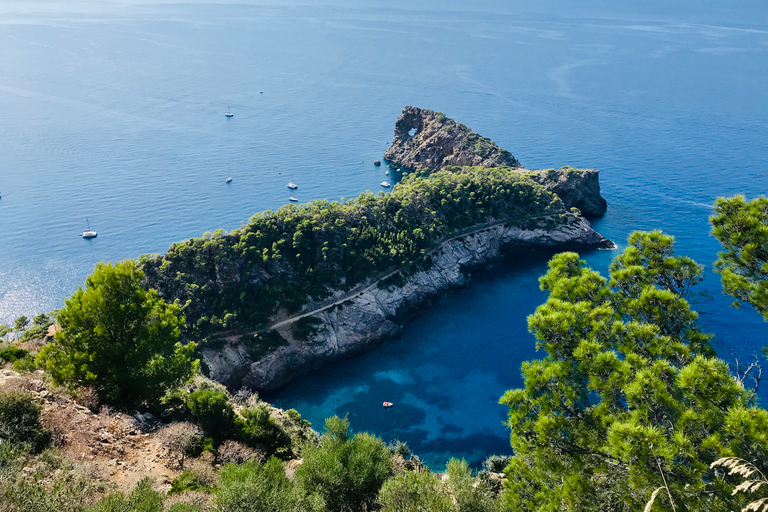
[
  {"x": 741, "y": 226},
  {"x": 629, "y": 397},
  {"x": 119, "y": 338}
]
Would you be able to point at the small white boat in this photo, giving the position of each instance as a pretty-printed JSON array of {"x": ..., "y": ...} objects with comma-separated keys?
[
  {"x": 228, "y": 113},
  {"x": 228, "y": 180},
  {"x": 387, "y": 173},
  {"x": 292, "y": 185},
  {"x": 292, "y": 199},
  {"x": 387, "y": 404},
  {"x": 88, "y": 233},
  {"x": 385, "y": 184}
]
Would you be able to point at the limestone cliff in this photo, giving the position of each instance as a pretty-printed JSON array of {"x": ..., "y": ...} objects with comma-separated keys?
[
  {"x": 426, "y": 140},
  {"x": 351, "y": 324}
]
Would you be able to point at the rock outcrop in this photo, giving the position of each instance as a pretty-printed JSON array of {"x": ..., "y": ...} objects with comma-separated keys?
[
  {"x": 578, "y": 188},
  {"x": 353, "y": 324},
  {"x": 427, "y": 141}
]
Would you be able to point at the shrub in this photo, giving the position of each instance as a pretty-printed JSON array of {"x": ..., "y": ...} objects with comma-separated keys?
[
  {"x": 25, "y": 365},
  {"x": 181, "y": 440},
  {"x": 232, "y": 452},
  {"x": 143, "y": 498},
  {"x": 347, "y": 472},
  {"x": 252, "y": 487},
  {"x": 213, "y": 412},
  {"x": 20, "y": 420},
  {"x": 410, "y": 491},
  {"x": 88, "y": 397},
  {"x": 496, "y": 463},
  {"x": 258, "y": 429},
  {"x": 11, "y": 354}
]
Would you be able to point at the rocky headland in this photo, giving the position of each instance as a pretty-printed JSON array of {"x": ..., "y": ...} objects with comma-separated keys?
[
  {"x": 356, "y": 323},
  {"x": 295, "y": 289},
  {"x": 427, "y": 141}
]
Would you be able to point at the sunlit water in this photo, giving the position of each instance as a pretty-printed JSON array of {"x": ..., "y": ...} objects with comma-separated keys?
[{"x": 114, "y": 111}]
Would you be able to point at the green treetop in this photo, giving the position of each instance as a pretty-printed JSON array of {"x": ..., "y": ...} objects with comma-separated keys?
[
  {"x": 742, "y": 227},
  {"x": 629, "y": 397},
  {"x": 119, "y": 338}
]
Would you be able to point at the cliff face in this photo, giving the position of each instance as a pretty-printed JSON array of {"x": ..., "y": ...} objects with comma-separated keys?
[
  {"x": 427, "y": 140},
  {"x": 371, "y": 316},
  {"x": 578, "y": 188}
]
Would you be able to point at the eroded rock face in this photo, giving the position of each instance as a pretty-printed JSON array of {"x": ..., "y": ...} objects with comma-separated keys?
[
  {"x": 371, "y": 316},
  {"x": 426, "y": 140},
  {"x": 578, "y": 188}
]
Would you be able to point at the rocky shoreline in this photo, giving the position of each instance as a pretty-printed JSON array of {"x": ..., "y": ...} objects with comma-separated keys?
[{"x": 370, "y": 317}]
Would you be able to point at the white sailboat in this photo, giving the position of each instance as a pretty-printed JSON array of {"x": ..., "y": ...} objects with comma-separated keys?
[{"x": 88, "y": 233}]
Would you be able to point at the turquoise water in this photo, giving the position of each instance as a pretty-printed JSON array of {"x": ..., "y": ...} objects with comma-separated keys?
[{"x": 114, "y": 111}]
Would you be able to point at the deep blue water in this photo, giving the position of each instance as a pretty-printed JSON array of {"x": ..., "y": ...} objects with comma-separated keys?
[{"x": 113, "y": 110}]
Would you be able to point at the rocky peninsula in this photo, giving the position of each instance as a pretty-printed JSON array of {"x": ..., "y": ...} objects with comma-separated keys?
[{"x": 305, "y": 285}]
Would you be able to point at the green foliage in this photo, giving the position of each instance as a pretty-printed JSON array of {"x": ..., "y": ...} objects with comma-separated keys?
[
  {"x": 345, "y": 471},
  {"x": 20, "y": 323},
  {"x": 213, "y": 412},
  {"x": 119, "y": 338},
  {"x": 25, "y": 365},
  {"x": 143, "y": 498},
  {"x": 629, "y": 397},
  {"x": 186, "y": 481},
  {"x": 11, "y": 354},
  {"x": 20, "y": 420},
  {"x": 415, "y": 492},
  {"x": 281, "y": 259},
  {"x": 4, "y": 330},
  {"x": 252, "y": 487},
  {"x": 259, "y": 430},
  {"x": 741, "y": 226},
  {"x": 461, "y": 485},
  {"x": 39, "y": 329}
]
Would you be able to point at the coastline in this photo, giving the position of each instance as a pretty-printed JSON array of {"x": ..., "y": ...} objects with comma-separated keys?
[{"x": 351, "y": 325}]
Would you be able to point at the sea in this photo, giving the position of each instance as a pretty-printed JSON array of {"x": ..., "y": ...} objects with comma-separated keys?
[{"x": 112, "y": 115}]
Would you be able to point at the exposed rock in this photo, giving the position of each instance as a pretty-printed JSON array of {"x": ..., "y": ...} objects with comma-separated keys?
[
  {"x": 377, "y": 163},
  {"x": 426, "y": 140},
  {"x": 578, "y": 188},
  {"x": 371, "y": 316}
]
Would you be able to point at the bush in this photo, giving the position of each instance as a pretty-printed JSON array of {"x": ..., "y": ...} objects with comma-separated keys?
[
  {"x": 181, "y": 440},
  {"x": 254, "y": 488},
  {"x": 143, "y": 498},
  {"x": 25, "y": 365},
  {"x": 410, "y": 491},
  {"x": 232, "y": 452},
  {"x": 258, "y": 429},
  {"x": 20, "y": 420},
  {"x": 11, "y": 354},
  {"x": 213, "y": 412},
  {"x": 347, "y": 472},
  {"x": 496, "y": 463}
]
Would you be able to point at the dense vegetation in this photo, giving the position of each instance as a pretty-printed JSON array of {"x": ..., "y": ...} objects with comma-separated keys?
[{"x": 281, "y": 259}]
